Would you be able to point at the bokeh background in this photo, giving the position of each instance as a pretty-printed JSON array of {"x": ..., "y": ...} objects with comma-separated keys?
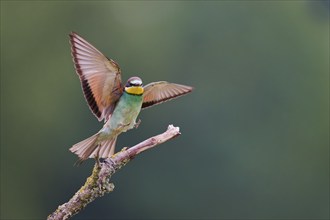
[{"x": 255, "y": 131}]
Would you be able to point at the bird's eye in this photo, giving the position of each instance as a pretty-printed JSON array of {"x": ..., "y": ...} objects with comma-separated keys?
[{"x": 133, "y": 82}]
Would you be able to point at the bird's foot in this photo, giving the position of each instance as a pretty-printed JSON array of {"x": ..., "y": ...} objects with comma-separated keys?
[
  {"x": 97, "y": 161},
  {"x": 136, "y": 125}
]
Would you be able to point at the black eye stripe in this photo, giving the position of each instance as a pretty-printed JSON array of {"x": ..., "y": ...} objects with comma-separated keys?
[{"x": 133, "y": 84}]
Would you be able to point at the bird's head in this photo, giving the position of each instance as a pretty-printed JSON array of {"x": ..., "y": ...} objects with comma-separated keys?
[{"x": 134, "y": 86}]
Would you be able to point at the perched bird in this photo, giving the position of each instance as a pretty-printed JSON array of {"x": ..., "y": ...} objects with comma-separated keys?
[{"x": 118, "y": 105}]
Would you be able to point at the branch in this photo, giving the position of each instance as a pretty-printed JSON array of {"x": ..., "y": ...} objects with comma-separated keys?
[{"x": 99, "y": 182}]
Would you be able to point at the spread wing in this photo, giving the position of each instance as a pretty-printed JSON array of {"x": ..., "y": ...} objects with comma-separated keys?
[
  {"x": 158, "y": 92},
  {"x": 100, "y": 77}
]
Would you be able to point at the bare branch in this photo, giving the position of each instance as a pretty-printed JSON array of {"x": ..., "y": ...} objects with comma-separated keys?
[{"x": 98, "y": 183}]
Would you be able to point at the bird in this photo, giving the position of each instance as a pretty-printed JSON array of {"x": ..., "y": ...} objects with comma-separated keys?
[{"x": 108, "y": 99}]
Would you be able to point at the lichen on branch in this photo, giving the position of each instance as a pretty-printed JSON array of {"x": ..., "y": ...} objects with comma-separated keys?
[{"x": 98, "y": 183}]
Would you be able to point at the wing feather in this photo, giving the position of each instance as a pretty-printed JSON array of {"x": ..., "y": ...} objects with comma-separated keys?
[
  {"x": 99, "y": 77},
  {"x": 158, "y": 92}
]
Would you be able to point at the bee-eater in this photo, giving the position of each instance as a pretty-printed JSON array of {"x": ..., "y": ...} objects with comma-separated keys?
[{"x": 109, "y": 100}]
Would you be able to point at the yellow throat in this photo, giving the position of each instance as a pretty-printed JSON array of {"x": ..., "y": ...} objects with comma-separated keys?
[{"x": 134, "y": 90}]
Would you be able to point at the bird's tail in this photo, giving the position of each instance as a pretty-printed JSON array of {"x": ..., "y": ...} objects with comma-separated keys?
[{"x": 92, "y": 148}]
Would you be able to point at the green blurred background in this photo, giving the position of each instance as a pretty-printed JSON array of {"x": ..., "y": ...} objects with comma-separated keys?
[{"x": 255, "y": 131}]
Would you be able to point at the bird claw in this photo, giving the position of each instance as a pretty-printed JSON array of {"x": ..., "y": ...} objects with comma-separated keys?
[
  {"x": 97, "y": 161},
  {"x": 136, "y": 125}
]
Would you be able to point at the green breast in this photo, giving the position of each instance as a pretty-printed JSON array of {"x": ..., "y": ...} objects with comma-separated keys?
[{"x": 126, "y": 112}]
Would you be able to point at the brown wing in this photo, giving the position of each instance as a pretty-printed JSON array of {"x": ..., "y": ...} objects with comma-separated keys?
[
  {"x": 158, "y": 92},
  {"x": 100, "y": 77}
]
